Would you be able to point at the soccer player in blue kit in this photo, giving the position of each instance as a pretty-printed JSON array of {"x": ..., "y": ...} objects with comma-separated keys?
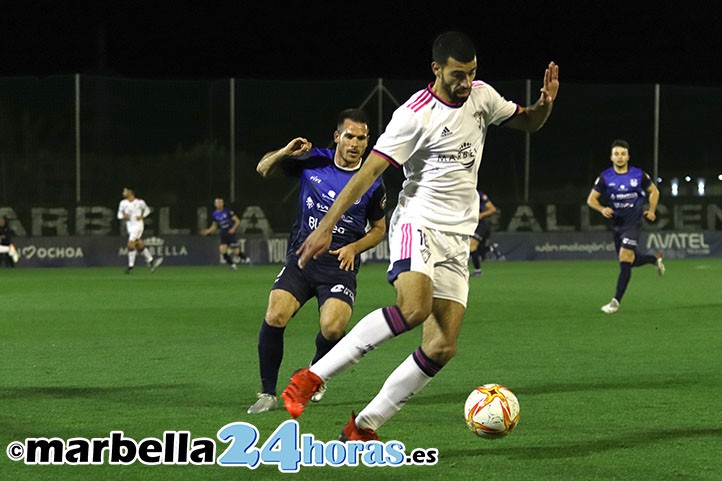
[
  {"x": 226, "y": 221},
  {"x": 624, "y": 188},
  {"x": 323, "y": 173},
  {"x": 480, "y": 246}
]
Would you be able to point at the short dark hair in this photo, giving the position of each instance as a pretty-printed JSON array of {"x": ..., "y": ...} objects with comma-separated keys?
[
  {"x": 620, "y": 143},
  {"x": 354, "y": 115},
  {"x": 456, "y": 45}
]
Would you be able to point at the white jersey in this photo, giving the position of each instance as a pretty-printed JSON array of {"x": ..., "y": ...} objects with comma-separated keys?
[
  {"x": 136, "y": 210},
  {"x": 439, "y": 146}
]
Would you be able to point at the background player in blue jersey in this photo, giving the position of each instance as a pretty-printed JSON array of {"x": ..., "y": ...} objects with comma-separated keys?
[
  {"x": 331, "y": 278},
  {"x": 480, "y": 245},
  {"x": 226, "y": 221},
  {"x": 623, "y": 190}
]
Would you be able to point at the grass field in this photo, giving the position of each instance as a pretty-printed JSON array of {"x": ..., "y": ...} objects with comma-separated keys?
[{"x": 631, "y": 396}]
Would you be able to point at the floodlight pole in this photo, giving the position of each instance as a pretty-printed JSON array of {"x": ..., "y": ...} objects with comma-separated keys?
[
  {"x": 380, "y": 105},
  {"x": 527, "y": 147},
  {"x": 655, "y": 156},
  {"x": 232, "y": 147},
  {"x": 77, "y": 138}
]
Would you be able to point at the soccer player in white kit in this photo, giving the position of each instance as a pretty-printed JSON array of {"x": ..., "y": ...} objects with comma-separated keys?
[
  {"x": 438, "y": 137},
  {"x": 133, "y": 211}
]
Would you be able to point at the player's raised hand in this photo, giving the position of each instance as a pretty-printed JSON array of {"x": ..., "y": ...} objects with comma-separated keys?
[
  {"x": 315, "y": 245},
  {"x": 551, "y": 84},
  {"x": 297, "y": 146}
]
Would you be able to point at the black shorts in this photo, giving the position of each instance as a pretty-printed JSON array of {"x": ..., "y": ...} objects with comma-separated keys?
[
  {"x": 322, "y": 280},
  {"x": 627, "y": 236},
  {"x": 483, "y": 231},
  {"x": 229, "y": 239}
]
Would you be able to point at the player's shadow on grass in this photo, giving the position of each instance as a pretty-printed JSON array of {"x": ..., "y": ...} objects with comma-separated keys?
[
  {"x": 452, "y": 397},
  {"x": 580, "y": 449}
]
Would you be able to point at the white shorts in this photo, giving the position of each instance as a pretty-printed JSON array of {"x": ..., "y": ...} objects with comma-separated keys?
[
  {"x": 442, "y": 256},
  {"x": 135, "y": 231}
]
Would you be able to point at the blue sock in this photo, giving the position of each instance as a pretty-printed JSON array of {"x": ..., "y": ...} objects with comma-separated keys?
[
  {"x": 643, "y": 260},
  {"x": 270, "y": 355},
  {"x": 625, "y": 273},
  {"x": 476, "y": 259},
  {"x": 323, "y": 345}
]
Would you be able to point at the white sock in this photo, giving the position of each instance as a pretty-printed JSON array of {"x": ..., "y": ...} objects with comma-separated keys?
[
  {"x": 370, "y": 332},
  {"x": 404, "y": 382},
  {"x": 147, "y": 255},
  {"x": 131, "y": 258},
  {"x": 4, "y": 249}
]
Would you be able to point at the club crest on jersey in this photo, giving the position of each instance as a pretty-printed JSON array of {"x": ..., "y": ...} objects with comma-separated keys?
[{"x": 633, "y": 182}]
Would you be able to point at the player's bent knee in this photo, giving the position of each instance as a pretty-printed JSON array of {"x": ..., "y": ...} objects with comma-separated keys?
[
  {"x": 334, "y": 331},
  {"x": 277, "y": 319}
]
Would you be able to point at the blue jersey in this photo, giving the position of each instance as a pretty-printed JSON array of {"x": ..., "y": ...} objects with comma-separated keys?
[
  {"x": 223, "y": 219},
  {"x": 483, "y": 199},
  {"x": 624, "y": 193},
  {"x": 321, "y": 180}
]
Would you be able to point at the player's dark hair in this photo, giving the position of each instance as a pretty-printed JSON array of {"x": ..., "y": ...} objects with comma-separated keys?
[
  {"x": 620, "y": 143},
  {"x": 456, "y": 45},
  {"x": 354, "y": 115}
]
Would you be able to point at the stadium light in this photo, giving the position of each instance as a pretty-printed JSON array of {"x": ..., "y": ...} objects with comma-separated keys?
[
  {"x": 719, "y": 177},
  {"x": 659, "y": 180},
  {"x": 700, "y": 186},
  {"x": 688, "y": 178},
  {"x": 675, "y": 186}
]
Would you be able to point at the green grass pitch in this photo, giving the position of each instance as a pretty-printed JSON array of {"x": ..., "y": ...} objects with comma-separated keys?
[{"x": 630, "y": 396}]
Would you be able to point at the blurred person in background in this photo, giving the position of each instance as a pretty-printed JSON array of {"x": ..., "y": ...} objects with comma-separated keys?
[
  {"x": 623, "y": 189},
  {"x": 480, "y": 245},
  {"x": 133, "y": 211},
  {"x": 9, "y": 255},
  {"x": 226, "y": 221}
]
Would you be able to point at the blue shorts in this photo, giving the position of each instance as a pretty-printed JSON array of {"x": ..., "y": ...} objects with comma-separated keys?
[
  {"x": 483, "y": 231},
  {"x": 322, "y": 280},
  {"x": 229, "y": 239},
  {"x": 627, "y": 236}
]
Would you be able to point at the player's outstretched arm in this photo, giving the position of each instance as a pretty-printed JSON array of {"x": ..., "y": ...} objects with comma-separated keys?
[
  {"x": 533, "y": 117},
  {"x": 320, "y": 239},
  {"x": 295, "y": 148}
]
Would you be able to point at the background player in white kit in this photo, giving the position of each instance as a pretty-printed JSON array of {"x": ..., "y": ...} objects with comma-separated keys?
[
  {"x": 438, "y": 137},
  {"x": 133, "y": 211}
]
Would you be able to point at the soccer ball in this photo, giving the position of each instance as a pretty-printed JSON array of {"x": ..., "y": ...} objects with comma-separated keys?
[{"x": 491, "y": 411}]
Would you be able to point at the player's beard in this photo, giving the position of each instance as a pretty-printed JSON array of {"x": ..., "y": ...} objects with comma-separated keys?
[{"x": 454, "y": 94}]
